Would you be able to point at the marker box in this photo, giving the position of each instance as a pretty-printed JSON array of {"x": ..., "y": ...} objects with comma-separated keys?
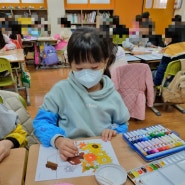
[{"x": 154, "y": 142}]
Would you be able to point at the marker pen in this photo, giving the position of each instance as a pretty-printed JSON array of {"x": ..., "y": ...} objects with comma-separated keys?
[
  {"x": 140, "y": 149},
  {"x": 167, "y": 139},
  {"x": 167, "y": 146},
  {"x": 154, "y": 150},
  {"x": 178, "y": 141},
  {"x": 164, "y": 145},
  {"x": 128, "y": 137},
  {"x": 157, "y": 144},
  {"x": 170, "y": 145}
]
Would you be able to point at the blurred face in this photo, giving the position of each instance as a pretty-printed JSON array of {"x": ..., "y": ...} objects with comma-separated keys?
[
  {"x": 144, "y": 31},
  {"x": 167, "y": 41}
]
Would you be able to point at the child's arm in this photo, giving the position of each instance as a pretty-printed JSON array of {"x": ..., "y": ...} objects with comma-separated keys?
[
  {"x": 18, "y": 137},
  {"x": 9, "y": 44},
  {"x": 15, "y": 139}
]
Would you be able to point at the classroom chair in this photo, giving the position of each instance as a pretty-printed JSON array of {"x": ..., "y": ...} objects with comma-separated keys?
[
  {"x": 135, "y": 84},
  {"x": 163, "y": 92},
  {"x": 7, "y": 79}
]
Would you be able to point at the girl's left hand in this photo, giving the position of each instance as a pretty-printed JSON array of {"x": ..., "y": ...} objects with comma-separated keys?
[{"x": 107, "y": 134}]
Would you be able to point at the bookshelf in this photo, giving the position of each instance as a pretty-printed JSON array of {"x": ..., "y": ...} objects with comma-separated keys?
[
  {"x": 86, "y": 17},
  {"x": 25, "y": 12},
  {"x": 23, "y": 8},
  {"x": 88, "y": 12}
]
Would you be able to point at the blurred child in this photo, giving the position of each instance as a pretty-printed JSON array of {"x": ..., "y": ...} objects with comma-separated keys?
[{"x": 12, "y": 134}]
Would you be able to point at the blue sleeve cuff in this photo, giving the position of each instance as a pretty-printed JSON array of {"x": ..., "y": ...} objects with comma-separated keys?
[
  {"x": 123, "y": 128},
  {"x": 46, "y": 128}
]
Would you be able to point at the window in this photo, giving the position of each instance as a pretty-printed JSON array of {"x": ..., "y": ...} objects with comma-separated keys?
[
  {"x": 160, "y": 3},
  {"x": 77, "y": 2}
]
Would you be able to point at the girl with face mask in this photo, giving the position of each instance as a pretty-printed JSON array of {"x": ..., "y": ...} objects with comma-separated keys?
[{"x": 85, "y": 104}]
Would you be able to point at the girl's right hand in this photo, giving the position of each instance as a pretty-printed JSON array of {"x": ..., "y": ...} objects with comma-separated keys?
[{"x": 66, "y": 147}]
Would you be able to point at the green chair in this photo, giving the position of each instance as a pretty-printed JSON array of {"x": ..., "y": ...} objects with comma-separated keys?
[
  {"x": 9, "y": 79},
  {"x": 118, "y": 40},
  {"x": 171, "y": 70}
]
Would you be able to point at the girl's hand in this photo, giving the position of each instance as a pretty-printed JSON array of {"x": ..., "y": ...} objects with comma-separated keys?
[
  {"x": 66, "y": 147},
  {"x": 107, "y": 134},
  {"x": 5, "y": 147}
]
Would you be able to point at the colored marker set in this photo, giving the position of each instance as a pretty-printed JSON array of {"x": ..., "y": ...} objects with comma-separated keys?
[
  {"x": 169, "y": 170},
  {"x": 154, "y": 142}
]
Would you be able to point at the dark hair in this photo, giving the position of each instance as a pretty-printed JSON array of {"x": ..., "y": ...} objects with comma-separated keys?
[
  {"x": 145, "y": 15},
  {"x": 172, "y": 33},
  {"x": 138, "y": 18},
  {"x": 90, "y": 44},
  {"x": 177, "y": 18},
  {"x": 2, "y": 41}
]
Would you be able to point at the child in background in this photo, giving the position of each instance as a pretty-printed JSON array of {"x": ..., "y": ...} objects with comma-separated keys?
[
  {"x": 85, "y": 104},
  {"x": 12, "y": 134},
  {"x": 62, "y": 41},
  {"x": 6, "y": 43},
  {"x": 63, "y": 38},
  {"x": 120, "y": 58}
]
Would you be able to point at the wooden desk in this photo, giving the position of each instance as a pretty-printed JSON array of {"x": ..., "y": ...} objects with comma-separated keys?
[
  {"x": 132, "y": 58},
  {"x": 152, "y": 59},
  {"x": 16, "y": 57},
  {"x": 46, "y": 39},
  {"x": 13, "y": 167},
  {"x": 128, "y": 158}
]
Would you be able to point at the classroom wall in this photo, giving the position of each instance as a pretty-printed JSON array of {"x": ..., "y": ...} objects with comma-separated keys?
[
  {"x": 55, "y": 10},
  {"x": 181, "y": 10},
  {"x": 127, "y": 10},
  {"x": 161, "y": 17}
]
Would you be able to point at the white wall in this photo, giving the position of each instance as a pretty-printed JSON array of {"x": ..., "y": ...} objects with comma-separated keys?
[
  {"x": 55, "y": 10},
  {"x": 181, "y": 10}
]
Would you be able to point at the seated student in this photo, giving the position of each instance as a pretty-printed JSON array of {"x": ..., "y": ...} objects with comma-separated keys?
[
  {"x": 63, "y": 38},
  {"x": 6, "y": 43},
  {"x": 140, "y": 38},
  {"x": 174, "y": 50},
  {"x": 86, "y": 103},
  {"x": 145, "y": 16},
  {"x": 12, "y": 134},
  {"x": 17, "y": 40}
]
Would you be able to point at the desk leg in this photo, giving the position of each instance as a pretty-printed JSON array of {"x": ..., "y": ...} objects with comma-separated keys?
[
  {"x": 27, "y": 94},
  {"x": 25, "y": 88}
]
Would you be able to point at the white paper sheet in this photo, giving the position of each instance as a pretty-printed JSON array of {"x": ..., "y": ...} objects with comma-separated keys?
[
  {"x": 9, "y": 57},
  {"x": 96, "y": 150}
]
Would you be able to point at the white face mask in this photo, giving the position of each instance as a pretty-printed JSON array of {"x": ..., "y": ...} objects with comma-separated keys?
[{"x": 88, "y": 77}]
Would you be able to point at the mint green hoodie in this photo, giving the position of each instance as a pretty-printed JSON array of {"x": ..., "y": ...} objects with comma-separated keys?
[{"x": 70, "y": 110}]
